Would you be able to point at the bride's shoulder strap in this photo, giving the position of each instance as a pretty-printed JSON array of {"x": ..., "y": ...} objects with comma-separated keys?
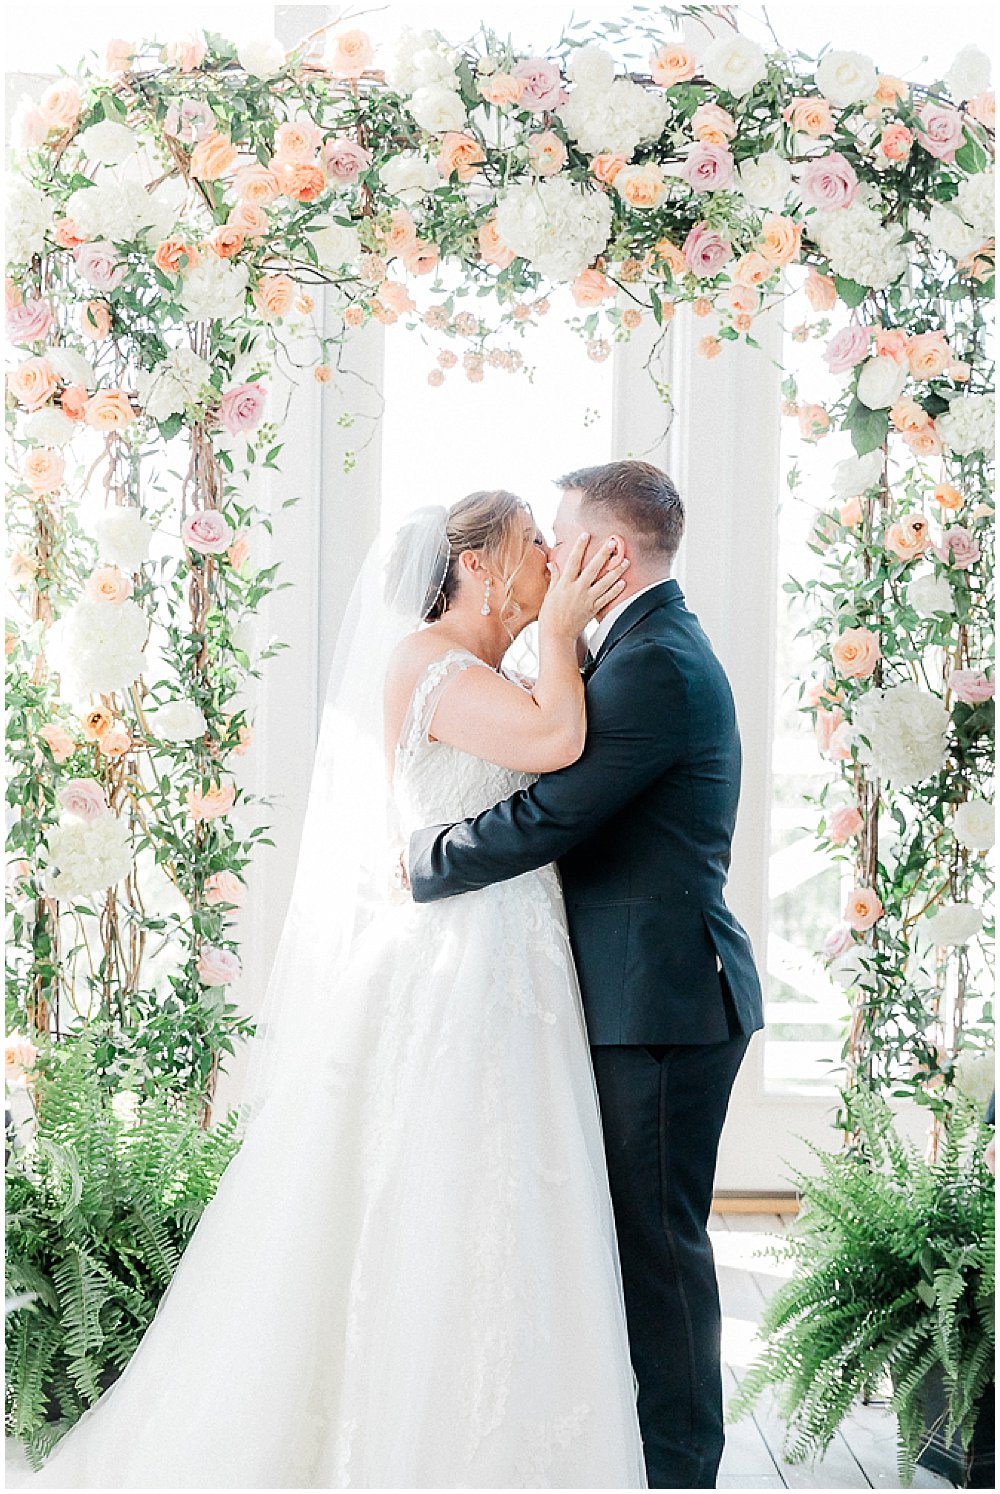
[{"x": 426, "y": 694}]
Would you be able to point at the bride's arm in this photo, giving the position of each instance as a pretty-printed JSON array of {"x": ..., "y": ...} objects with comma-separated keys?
[{"x": 491, "y": 717}]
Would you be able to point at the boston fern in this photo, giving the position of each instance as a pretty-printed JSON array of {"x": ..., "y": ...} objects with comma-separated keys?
[
  {"x": 894, "y": 1281},
  {"x": 100, "y": 1206}
]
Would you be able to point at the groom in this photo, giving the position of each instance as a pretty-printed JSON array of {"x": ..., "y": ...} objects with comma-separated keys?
[{"x": 642, "y": 827}]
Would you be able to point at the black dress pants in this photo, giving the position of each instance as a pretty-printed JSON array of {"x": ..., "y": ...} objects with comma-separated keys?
[{"x": 662, "y": 1110}]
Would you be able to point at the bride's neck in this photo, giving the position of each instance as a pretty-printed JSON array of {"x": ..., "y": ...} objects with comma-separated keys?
[{"x": 485, "y": 636}]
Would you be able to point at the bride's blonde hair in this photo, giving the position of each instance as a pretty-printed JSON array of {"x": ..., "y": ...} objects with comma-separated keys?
[{"x": 490, "y": 522}]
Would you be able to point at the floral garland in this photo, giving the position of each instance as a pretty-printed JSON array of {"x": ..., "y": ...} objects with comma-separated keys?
[{"x": 169, "y": 210}]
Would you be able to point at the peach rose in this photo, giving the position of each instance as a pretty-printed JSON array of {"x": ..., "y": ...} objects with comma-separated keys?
[
  {"x": 19, "y": 1058},
  {"x": 187, "y": 53},
  {"x": 95, "y": 320},
  {"x": 44, "y": 470},
  {"x": 863, "y": 908},
  {"x": 274, "y": 295},
  {"x": 928, "y": 355},
  {"x": 74, "y": 401},
  {"x": 741, "y": 300},
  {"x": 907, "y": 415},
  {"x": 421, "y": 258},
  {"x": 672, "y": 64},
  {"x": 712, "y": 124},
  {"x": 350, "y": 53},
  {"x": 60, "y": 743},
  {"x": 826, "y": 725},
  {"x": 212, "y": 156},
  {"x": 249, "y": 218},
  {"x": 925, "y": 442},
  {"x": 302, "y": 181},
  {"x": 892, "y": 342},
  {"x": 33, "y": 383},
  {"x": 257, "y": 184},
  {"x": 752, "y": 269},
  {"x": 501, "y": 89},
  {"x": 60, "y": 104},
  {"x": 810, "y": 116},
  {"x": 118, "y": 55},
  {"x": 107, "y": 584},
  {"x": 814, "y": 422},
  {"x": 896, "y": 142},
  {"x": 641, "y": 186},
  {"x": 402, "y": 232},
  {"x": 665, "y": 251},
  {"x": 224, "y": 887},
  {"x": 908, "y": 537},
  {"x": 850, "y": 513},
  {"x": 591, "y": 288},
  {"x": 709, "y": 347},
  {"x": 492, "y": 249},
  {"x": 96, "y": 723},
  {"x": 212, "y": 803},
  {"x": 459, "y": 153},
  {"x": 238, "y": 553},
  {"x": 821, "y": 291},
  {"x": 890, "y": 89},
  {"x": 174, "y": 255},
  {"x": 108, "y": 410},
  {"x": 781, "y": 240},
  {"x": 844, "y": 823},
  {"x": 982, "y": 109},
  {"x": 855, "y": 653},
  {"x": 297, "y": 140},
  {"x": 116, "y": 741},
  {"x": 67, "y": 235},
  {"x": 245, "y": 734},
  {"x": 959, "y": 371},
  {"x": 546, "y": 152},
  {"x": 225, "y": 240},
  {"x": 947, "y": 496},
  {"x": 606, "y": 167}
]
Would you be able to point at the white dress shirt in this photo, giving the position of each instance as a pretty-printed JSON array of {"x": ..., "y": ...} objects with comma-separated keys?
[{"x": 603, "y": 628}]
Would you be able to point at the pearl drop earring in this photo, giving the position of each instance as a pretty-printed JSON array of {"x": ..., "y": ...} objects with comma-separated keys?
[{"x": 485, "y": 608}]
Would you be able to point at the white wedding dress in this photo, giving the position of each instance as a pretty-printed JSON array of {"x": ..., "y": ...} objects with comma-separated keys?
[{"x": 408, "y": 1277}]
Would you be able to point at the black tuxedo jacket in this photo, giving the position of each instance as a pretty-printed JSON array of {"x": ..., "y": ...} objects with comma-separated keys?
[{"x": 641, "y": 827}]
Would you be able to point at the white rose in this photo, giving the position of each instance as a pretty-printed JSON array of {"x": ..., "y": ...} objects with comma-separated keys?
[
  {"x": 72, "y": 367},
  {"x": 968, "y": 75},
  {"x": 930, "y": 594},
  {"x": 846, "y": 78},
  {"x": 948, "y": 233},
  {"x": 336, "y": 244},
  {"x": 974, "y": 825},
  {"x": 179, "y": 721},
  {"x": 408, "y": 177},
  {"x": 855, "y": 475},
  {"x": 123, "y": 538},
  {"x": 419, "y": 59},
  {"x": 765, "y": 182},
  {"x": 955, "y": 923},
  {"x": 881, "y": 382},
  {"x": 592, "y": 67},
  {"x": 735, "y": 64},
  {"x": 28, "y": 215},
  {"x": 50, "y": 427},
  {"x": 261, "y": 56},
  {"x": 854, "y": 968},
  {"x": 437, "y": 109},
  {"x": 107, "y": 143}
]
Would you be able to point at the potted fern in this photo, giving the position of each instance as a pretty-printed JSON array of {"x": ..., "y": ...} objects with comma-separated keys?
[
  {"x": 103, "y": 1193},
  {"x": 892, "y": 1289}
]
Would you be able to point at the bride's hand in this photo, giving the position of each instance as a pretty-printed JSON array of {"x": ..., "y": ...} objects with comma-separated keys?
[{"x": 578, "y": 592}]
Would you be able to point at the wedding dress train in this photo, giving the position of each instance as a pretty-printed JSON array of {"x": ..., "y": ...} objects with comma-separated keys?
[{"x": 408, "y": 1277}]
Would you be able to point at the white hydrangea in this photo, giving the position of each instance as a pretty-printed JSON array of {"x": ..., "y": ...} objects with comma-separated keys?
[
  {"x": 855, "y": 475},
  {"x": 846, "y": 78},
  {"x": 336, "y": 244},
  {"x": 213, "y": 288},
  {"x": 420, "y": 59},
  {"x": 123, "y": 538},
  {"x": 261, "y": 56},
  {"x": 178, "y": 721},
  {"x": 734, "y": 64},
  {"x": 613, "y": 118},
  {"x": 438, "y": 109},
  {"x": 49, "y": 427},
  {"x": 968, "y": 75},
  {"x": 408, "y": 176},
  {"x": 765, "y": 182},
  {"x": 86, "y": 857},
  {"x": 969, "y": 424},
  {"x": 975, "y": 201},
  {"x": 930, "y": 594},
  {"x": 974, "y": 824},
  {"x": 907, "y": 728},
  {"x": 118, "y": 207},
  {"x": 955, "y": 923},
  {"x": 591, "y": 67},
  {"x": 97, "y": 647},
  {"x": 107, "y": 143},
  {"x": 174, "y": 384},
  {"x": 557, "y": 226},
  {"x": 859, "y": 245},
  {"x": 28, "y": 215}
]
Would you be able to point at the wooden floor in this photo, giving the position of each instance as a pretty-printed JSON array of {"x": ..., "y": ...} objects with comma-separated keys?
[{"x": 862, "y": 1456}]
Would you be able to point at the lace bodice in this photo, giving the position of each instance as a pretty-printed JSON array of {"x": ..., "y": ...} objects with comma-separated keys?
[{"x": 433, "y": 781}]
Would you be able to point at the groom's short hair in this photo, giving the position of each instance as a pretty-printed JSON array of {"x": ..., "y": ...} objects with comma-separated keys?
[{"x": 639, "y": 496}]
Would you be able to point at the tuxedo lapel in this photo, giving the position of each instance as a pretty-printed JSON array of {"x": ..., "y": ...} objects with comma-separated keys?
[{"x": 658, "y": 596}]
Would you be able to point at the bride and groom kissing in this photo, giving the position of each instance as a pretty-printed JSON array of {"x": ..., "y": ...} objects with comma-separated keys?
[{"x": 464, "y": 1243}]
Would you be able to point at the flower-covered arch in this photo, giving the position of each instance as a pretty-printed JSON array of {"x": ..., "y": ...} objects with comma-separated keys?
[{"x": 172, "y": 209}]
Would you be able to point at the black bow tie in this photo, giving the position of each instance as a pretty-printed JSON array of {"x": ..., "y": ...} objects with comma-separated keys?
[{"x": 589, "y": 665}]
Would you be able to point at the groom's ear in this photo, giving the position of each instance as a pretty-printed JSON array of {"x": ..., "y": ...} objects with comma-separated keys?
[{"x": 618, "y": 553}]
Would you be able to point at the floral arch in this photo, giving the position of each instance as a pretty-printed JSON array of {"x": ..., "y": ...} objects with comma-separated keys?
[{"x": 169, "y": 209}]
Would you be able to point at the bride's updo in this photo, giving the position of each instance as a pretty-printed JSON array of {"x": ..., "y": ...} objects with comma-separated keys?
[{"x": 493, "y": 524}]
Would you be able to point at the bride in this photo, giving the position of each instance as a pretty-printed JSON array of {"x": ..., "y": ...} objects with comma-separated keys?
[{"x": 408, "y": 1277}]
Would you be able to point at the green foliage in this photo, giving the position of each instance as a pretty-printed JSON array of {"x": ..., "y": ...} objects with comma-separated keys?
[
  {"x": 99, "y": 1210},
  {"x": 894, "y": 1278}
]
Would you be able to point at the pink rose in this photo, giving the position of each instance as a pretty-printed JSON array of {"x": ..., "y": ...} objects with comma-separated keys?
[
  {"x": 844, "y": 823},
  {"x": 706, "y": 251},
  {"x": 224, "y": 887},
  {"x": 217, "y": 967},
  {"x": 847, "y": 349},
  {"x": 85, "y": 798},
  {"x": 958, "y": 547},
  {"x": 863, "y": 908},
  {"x": 29, "y": 322},
  {"x": 707, "y": 167},
  {"x": 100, "y": 264},
  {"x": 941, "y": 132},
  {"x": 189, "y": 121},
  {"x": 838, "y": 941},
  {"x": 30, "y": 125},
  {"x": 828, "y": 182},
  {"x": 242, "y": 407},
  {"x": 345, "y": 159},
  {"x": 542, "y": 84},
  {"x": 972, "y": 686},
  {"x": 207, "y": 532}
]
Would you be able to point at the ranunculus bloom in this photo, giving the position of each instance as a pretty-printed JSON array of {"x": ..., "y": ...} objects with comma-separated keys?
[
  {"x": 96, "y": 723},
  {"x": 116, "y": 741},
  {"x": 855, "y": 653},
  {"x": 843, "y": 824},
  {"x": 947, "y": 496},
  {"x": 863, "y": 908},
  {"x": 345, "y": 159},
  {"x": 207, "y": 532},
  {"x": 85, "y": 798},
  {"x": 928, "y": 355},
  {"x": 212, "y": 803},
  {"x": 301, "y": 181},
  {"x": 941, "y": 131},
  {"x": 847, "y": 348},
  {"x": 707, "y": 168},
  {"x": 706, "y": 251},
  {"x": 909, "y": 536},
  {"x": 672, "y": 64},
  {"x": 972, "y": 686},
  {"x": 350, "y": 53},
  {"x": 459, "y": 153},
  {"x": 242, "y": 407},
  {"x": 108, "y": 584},
  {"x": 959, "y": 547},
  {"x": 828, "y": 182},
  {"x": 543, "y": 88},
  {"x": 108, "y": 410}
]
